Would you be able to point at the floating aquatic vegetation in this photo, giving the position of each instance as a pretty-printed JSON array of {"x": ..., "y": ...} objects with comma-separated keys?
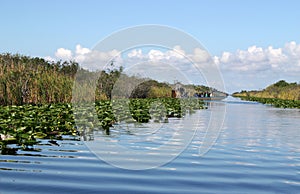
[
  {"x": 280, "y": 103},
  {"x": 23, "y": 126}
]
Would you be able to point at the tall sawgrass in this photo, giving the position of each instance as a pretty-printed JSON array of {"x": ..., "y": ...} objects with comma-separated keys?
[{"x": 26, "y": 80}]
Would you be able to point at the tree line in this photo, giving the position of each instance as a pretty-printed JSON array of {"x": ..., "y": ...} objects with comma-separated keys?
[
  {"x": 280, "y": 90},
  {"x": 34, "y": 80}
]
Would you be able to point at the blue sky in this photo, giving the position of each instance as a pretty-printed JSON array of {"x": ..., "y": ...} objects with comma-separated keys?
[{"x": 39, "y": 28}]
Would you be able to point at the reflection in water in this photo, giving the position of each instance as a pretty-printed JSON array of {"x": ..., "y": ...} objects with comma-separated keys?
[{"x": 260, "y": 125}]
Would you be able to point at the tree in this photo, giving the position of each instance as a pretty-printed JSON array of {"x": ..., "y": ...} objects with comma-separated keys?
[{"x": 281, "y": 83}]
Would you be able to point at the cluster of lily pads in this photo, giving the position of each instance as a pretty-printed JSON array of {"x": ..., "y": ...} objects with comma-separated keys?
[
  {"x": 24, "y": 126},
  {"x": 276, "y": 102}
]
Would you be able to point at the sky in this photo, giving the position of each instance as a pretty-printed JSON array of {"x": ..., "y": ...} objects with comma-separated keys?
[{"x": 254, "y": 43}]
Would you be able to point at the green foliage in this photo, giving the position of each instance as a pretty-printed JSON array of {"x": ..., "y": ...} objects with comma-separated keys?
[
  {"x": 280, "y": 83},
  {"x": 25, "y": 80},
  {"x": 201, "y": 89},
  {"x": 160, "y": 92},
  {"x": 275, "y": 102},
  {"x": 280, "y": 94},
  {"x": 151, "y": 89},
  {"x": 107, "y": 80},
  {"x": 24, "y": 125}
]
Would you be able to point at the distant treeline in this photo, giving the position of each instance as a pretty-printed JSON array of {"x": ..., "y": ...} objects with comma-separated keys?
[
  {"x": 280, "y": 90},
  {"x": 33, "y": 80}
]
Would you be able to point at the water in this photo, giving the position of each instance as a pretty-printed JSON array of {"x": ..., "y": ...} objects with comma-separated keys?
[{"x": 258, "y": 151}]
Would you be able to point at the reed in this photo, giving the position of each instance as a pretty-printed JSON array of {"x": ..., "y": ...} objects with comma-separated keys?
[{"x": 25, "y": 80}]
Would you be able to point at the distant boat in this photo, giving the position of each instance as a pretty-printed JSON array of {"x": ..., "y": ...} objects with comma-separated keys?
[
  {"x": 211, "y": 96},
  {"x": 179, "y": 91}
]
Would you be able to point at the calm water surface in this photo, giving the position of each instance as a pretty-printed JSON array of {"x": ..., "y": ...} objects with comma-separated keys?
[{"x": 258, "y": 151}]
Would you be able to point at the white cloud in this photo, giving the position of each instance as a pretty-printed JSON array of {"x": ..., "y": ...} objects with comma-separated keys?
[
  {"x": 89, "y": 59},
  {"x": 135, "y": 53},
  {"x": 63, "y": 54},
  {"x": 172, "y": 56},
  {"x": 200, "y": 56},
  {"x": 168, "y": 64},
  {"x": 256, "y": 59},
  {"x": 156, "y": 55},
  {"x": 254, "y": 67},
  {"x": 292, "y": 49},
  {"x": 258, "y": 67},
  {"x": 276, "y": 56},
  {"x": 81, "y": 51},
  {"x": 97, "y": 60},
  {"x": 225, "y": 58},
  {"x": 177, "y": 52}
]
